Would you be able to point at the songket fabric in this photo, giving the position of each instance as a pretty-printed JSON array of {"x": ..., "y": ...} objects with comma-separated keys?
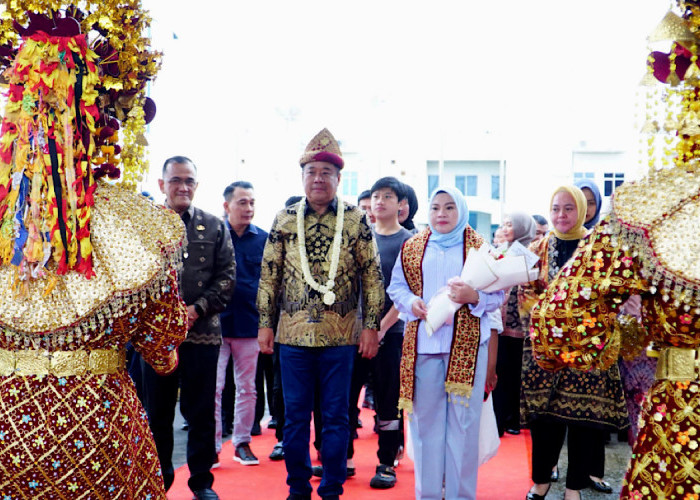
[
  {"x": 71, "y": 425},
  {"x": 594, "y": 398}
]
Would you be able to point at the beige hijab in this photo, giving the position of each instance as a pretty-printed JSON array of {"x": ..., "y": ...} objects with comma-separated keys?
[{"x": 578, "y": 231}]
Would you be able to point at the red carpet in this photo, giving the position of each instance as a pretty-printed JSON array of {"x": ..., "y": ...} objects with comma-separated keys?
[{"x": 507, "y": 475}]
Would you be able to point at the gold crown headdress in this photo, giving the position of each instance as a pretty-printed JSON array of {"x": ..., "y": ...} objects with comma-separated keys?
[
  {"x": 76, "y": 73},
  {"x": 656, "y": 213},
  {"x": 672, "y": 83}
]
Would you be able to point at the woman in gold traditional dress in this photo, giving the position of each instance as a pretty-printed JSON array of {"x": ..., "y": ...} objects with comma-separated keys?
[
  {"x": 85, "y": 266},
  {"x": 567, "y": 403},
  {"x": 643, "y": 248}
]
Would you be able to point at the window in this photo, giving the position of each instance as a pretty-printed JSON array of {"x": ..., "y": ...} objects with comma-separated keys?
[
  {"x": 460, "y": 183},
  {"x": 495, "y": 187},
  {"x": 350, "y": 184},
  {"x": 471, "y": 185},
  {"x": 473, "y": 219},
  {"x": 583, "y": 175},
  {"x": 466, "y": 184},
  {"x": 611, "y": 181},
  {"x": 432, "y": 184}
]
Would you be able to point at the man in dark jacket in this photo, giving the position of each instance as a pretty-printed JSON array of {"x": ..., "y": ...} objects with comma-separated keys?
[{"x": 206, "y": 285}]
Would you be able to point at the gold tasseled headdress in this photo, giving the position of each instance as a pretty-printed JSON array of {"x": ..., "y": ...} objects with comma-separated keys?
[
  {"x": 75, "y": 73},
  {"x": 659, "y": 214}
]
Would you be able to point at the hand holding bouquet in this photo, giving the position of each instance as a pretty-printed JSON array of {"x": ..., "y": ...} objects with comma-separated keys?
[{"x": 487, "y": 270}]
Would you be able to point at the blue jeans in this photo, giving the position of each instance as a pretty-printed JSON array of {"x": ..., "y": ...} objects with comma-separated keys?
[{"x": 304, "y": 368}]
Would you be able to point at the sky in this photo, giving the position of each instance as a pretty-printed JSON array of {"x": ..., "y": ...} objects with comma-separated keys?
[
  {"x": 245, "y": 85},
  {"x": 256, "y": 80}
]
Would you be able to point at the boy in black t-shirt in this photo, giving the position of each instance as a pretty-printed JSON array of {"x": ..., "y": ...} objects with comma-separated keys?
[{"x": 386, "y": 195}]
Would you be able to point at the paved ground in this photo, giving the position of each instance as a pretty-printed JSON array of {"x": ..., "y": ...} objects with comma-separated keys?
[
  {"x": 617, "y": 455},
  {"x": 180, "y": 436}
]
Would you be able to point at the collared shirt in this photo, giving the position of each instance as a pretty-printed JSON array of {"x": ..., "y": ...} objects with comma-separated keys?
[
  {"x": 332, "y": 206},
  {"x": 439, "y": 266},
  {"x": 240, "y": 319},
  {"x": 304, "y": 319}
]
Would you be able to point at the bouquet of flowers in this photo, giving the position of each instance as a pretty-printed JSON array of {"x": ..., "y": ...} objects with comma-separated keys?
[{"x": 487, "y": 269}]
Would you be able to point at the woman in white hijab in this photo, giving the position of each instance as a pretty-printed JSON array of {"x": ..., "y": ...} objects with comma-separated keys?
[{"x": 443, "y": 375}]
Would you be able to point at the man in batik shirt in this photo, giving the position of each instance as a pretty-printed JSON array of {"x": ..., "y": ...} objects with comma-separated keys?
[{"x": 319, "y": 257}]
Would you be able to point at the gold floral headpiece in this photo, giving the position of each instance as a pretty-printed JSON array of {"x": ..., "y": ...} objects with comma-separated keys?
[
  {"x": 672, "y": 83},
  {"x": 655, "y": 214},
  {"x": 76, "y": 73}
]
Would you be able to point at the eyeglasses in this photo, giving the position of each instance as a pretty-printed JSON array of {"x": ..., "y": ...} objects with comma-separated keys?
[
  {"x": 323, "y": 174},
  {"x": 176, "y": 181}
]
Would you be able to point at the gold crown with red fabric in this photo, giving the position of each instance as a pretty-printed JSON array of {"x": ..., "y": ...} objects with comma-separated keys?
[
  {"x": 672, "y": 107},
  {"x": 75, "y": 75},
  {"x": 657, "y": 213}
]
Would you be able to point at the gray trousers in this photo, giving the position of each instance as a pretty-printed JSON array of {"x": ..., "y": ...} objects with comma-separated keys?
[{"x": 445, "y": 434}]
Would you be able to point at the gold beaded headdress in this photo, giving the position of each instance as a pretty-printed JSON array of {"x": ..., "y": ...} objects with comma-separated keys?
[
  {"x": 76, "y": 74},
  {"x": 659, "y": 214},
  {"x": 672, "y": 84}
]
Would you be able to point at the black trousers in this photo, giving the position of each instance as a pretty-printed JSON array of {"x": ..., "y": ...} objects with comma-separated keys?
[
  {"x": 506, "y": 395},
  {"x": 360, "y": 375},
  {"x": 264, "y": 377},
  {"x": 596, "y": 447},
  {"x": 547, "y": 441},
  {"x": 133, "y": 366},
  {"x": 278, "y": 395},
  {"x": 195, "y": 377},
  {"x": 386, "y": 367}
]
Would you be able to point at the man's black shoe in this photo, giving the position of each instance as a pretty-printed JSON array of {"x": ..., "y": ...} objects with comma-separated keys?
[
  {"x": 317, "y": 471},
  {"x": 277, "y": 452},
  {"x": 255, "y": 431},
  {"x": 513, "y": 431},
  {"x": 205, "y": 494},
  {"x": 384, "y": 478},
  {"x": 244, "y": 456},
  {"x": 272, "y": 424}
]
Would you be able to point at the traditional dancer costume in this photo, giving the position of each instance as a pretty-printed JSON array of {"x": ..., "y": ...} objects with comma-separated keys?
[
  {"x": 85, "y": 265},
  {"x": 646, "y": 246}
]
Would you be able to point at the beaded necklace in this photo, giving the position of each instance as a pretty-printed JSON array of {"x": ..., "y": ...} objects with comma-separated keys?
[{"x": 326, "y": 289}]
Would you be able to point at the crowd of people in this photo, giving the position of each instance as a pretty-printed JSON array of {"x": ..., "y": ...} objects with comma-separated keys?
[{"x": 337, "y": 296}]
